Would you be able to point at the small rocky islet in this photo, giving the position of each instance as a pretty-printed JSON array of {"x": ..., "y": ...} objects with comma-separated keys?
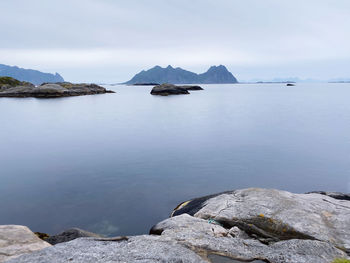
[
  {"x": 248, "y": 225},
  {"x": 10, "y": 87},
  {"x": 170, "y": 89}
]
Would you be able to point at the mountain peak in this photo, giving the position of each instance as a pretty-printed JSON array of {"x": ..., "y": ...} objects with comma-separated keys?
[
  {"x": 214, "y": 75},
  {"x": 220, "y": 67}
]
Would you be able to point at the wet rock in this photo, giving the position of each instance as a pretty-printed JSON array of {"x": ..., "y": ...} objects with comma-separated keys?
[
  {"x": 18, "y": 240},
  {"x": 69, "y": 235}
]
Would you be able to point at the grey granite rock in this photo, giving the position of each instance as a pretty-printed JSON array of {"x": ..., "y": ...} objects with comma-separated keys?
[
  {"x": 69, "y": 235},
  {"x": 207, "y": 238},
  {"x": 238, "y": 233},
  {"x": 17, "y": 240},
  {"x": 184, "y": 239},
  {"x": 273, "y": 215},
  {"x": 140, "y": 249},
  {"x": 250, "y": 225}
]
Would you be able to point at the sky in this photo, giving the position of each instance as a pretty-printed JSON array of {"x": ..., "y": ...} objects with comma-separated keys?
[{"x": 108, "y": 41}]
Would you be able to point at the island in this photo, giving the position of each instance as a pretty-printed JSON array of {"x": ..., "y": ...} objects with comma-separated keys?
[
  {"x": 170, "y": 89},
  {"x": 253, "y": 225},
  {"x": 10, "y": 87},
  {"x": 214, "y": 75}
]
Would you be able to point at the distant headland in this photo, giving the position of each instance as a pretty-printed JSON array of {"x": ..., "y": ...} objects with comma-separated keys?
[
  {"x": 157, "y": 74},
  {"x": 29, "y": 75}
]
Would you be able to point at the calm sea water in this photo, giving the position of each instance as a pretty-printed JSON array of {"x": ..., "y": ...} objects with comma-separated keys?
[{"x": 118, "y": 163}]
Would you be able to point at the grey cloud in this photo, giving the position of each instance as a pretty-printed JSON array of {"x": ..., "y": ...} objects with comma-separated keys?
[{"x": 242, "y": 34}]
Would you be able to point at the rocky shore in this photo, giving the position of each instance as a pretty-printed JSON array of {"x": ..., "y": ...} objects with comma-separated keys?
[
  {"x": 10, "y": 87},
  {"x": 248, "y": 225}
]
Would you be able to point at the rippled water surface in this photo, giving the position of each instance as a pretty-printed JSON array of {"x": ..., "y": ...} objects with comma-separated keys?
[{"x": 118, "y": 163}]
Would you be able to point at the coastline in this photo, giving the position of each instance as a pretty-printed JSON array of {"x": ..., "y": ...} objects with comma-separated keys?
[{"x": 247, "y": 225}]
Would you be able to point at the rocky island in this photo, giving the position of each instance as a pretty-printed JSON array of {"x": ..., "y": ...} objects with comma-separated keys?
[
  {"x": 10, "y": 87},
  {"x": 214, "y": 75},
  {"x": 170, "y": 89},
  {"x": 249, "y": 225}
]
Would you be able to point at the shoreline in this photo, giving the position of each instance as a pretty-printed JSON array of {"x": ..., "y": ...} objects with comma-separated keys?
[{"x": 247, "y": 225}]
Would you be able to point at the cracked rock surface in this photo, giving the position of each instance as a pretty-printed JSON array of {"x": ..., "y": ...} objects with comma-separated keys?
[
  {"x": 17, "y": 240},
  {"x": 274, "y": 215},
  {"x": 249, "y": 225}
]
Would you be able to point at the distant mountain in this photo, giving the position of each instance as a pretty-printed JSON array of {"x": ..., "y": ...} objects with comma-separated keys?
[
  {"x": 157, "y": 74},
  {"x": 33, "y": 76},
  {"x": 339, "y": 80}
]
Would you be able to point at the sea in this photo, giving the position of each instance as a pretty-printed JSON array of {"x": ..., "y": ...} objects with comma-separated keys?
[{"x": 116, "y": 164}]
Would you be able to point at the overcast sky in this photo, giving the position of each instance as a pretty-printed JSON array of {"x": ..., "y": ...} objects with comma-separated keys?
[{"x": 111, "y": 40}]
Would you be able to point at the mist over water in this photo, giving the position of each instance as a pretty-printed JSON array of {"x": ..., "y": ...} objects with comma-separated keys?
[{"x": 118, "y": 163}]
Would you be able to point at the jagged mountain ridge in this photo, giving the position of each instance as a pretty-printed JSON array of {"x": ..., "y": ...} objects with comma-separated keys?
[
  {"x": 33, "y": 76},
  {"x": 157, "y": 74}
]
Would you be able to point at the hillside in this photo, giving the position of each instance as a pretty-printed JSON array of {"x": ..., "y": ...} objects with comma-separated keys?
[
  {"x": 33, "y": 76},
  {"x": 157, "y": 74}
]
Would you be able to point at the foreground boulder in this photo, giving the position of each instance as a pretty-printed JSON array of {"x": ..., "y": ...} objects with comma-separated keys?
[
  {"x": 170, "y": 89},
  {"x": 250, "y": 225},
  {"x": 215, "y": 242},
  {"x": 273, "y": 215},
  {"x": 185, "y": 239},
  {"x": 18, "y": 240},
  {"x": 49, "y": 90},
  {"x": 133, "y": 249}
]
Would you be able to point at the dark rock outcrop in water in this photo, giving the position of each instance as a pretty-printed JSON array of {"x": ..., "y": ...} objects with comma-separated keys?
[
  {"x": 69, "y": 235},
  {"x": 54, "y": 90},
  {"x": 33, "y": 76},
  {"x": 170, "y": 89},
  {"x": 157, "y": 74},
  {"x": 249, "y": 225}
]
